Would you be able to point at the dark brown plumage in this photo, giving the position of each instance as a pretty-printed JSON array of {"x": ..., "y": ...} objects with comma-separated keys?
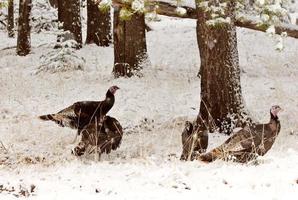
[
  {"x": 82, "y": 113},
  {"x": 249, "y": 142},
  {"x": 194, "y": 141},
  {"x": 100, "y": 138}
]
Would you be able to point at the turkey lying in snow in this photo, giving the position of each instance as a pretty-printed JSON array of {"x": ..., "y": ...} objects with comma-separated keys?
[
  {"x": 100, "y": 138},
  {"x": 194, "y": 141},
  {"x": 249, "y": 142},
  {"x": 82, "y": 113}
]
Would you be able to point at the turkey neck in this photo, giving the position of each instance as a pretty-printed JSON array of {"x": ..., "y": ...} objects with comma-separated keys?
[
  {"x": 190, "y": 129},
  {"x": 274, "y": 123},
  {"x": 108, "y": 102},
  {"x": 110, "y": 97}
]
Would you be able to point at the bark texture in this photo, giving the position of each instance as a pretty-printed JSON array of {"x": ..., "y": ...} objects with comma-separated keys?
[
  {"x": 54, "y": 3},
  {"x": 70, "y": 20},
  {"x": 98, "y": 25},
  {"x": 24, "y": 40},
  {"x": 221, "y": 97},
  {"x": 130, "y": 49},
  {"x": 10, "y": 19}
]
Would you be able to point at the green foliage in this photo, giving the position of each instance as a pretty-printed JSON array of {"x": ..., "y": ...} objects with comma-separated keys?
[
  {"x": 138, "y": 6},
  {"x": 105, "y": 5},
  {"x": 3, "y": 4},
  {"x": 125, "y": 14},
  {"x": 263, "y": 26}
]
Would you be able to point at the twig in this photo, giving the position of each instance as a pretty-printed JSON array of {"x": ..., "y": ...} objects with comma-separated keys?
[
  {"x": 3, "y": 146},
  {"x": 2, "y": 22},
  {"x": 6, "y": 48}
]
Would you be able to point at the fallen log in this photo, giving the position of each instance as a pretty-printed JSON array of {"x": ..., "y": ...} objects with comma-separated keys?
[{"x": 167, "y": 9}]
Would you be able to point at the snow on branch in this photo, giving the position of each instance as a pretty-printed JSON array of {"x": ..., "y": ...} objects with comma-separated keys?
[
  {"x": 167, "y": 9},
  {"x": 290, "y": 29}
]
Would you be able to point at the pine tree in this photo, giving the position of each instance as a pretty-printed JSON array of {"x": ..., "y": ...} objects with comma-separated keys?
[
  {"x": 24, "y": 40},
  {"x": 98, "y": 24},
  {"x": 10, "y": 19},
  {"x": 130, "y": 50},
  {"x": 70, "y": 19},
  {"x": 221, "y": 97}
]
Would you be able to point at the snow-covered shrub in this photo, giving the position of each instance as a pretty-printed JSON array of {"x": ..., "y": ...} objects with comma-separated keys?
[
  {"x": 62, "y": 59},
  {"x": 43, "y": 16}
]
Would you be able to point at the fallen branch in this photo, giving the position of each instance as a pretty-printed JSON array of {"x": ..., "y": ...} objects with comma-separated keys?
[{"x": 167, "y": 9}]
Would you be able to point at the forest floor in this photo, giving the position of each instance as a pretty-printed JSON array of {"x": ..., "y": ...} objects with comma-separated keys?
[{"x": 152, "y": 109}]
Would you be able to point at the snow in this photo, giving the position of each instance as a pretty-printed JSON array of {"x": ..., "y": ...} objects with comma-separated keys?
[{"x": 152, "y": 110}]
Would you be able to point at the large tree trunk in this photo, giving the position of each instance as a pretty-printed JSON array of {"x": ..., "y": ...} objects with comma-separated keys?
[
  {"x": 54, "y": 3},
  {"x": 130, "y": 49},
  {"x": 221, "y": 97},
  {"x": 98, "y": 25},
  {"x": 10, "y": 19},
  {"x": 70, "y": 18},
  {"x": 23, "y": 40}
]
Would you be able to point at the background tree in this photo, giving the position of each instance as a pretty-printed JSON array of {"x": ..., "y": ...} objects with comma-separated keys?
[
  {"x": 130, "y": 49},
  {"x": 221, "y": 97},
  {"x": 10, "y": 19},
  {"x": 70, "y": 19},
  {"x": 98, "y": 24},
  {"x": 23, "y": 40}
]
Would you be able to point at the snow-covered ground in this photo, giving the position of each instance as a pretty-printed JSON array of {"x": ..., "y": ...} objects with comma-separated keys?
[{"x": 152, "y": 109}]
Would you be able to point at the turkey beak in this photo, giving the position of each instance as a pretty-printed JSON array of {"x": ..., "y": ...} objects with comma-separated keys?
[{"x": 117, "y": 88}]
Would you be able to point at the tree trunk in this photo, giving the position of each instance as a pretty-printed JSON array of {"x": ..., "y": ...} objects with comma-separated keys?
[
  {"x": 221, "y": 98},
  {"x": 10, "y": 19},
  {"x": 98, "y": 25},
  {"x": 23, "y": 40},
  {"x": 70, "y": 18},
  {"x": 53, "y": 3},
  {"x": 130, "y": 49}
]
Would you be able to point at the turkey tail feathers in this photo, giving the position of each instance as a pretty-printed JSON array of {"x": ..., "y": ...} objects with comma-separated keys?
[
  {"x": 53, "y": 117},
  {"x": 46, "y": 117}
]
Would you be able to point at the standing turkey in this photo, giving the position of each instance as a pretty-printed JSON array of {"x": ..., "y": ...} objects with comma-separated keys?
[
  {"x": 82, "y": 113},
  {"x": 194, "y": 141},
  {"x": 249, "y": 142},
  {"x": 100, "y": 138}
]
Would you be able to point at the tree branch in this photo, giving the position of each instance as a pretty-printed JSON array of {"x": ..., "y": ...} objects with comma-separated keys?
[
  {"x": 167, "y": 9},
  {"x": 290, "y": 29},
  {"x": 2, "y": 22}
]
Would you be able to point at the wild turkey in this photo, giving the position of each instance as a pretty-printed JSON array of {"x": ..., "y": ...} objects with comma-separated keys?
[
  {"x": 100, "y": 137},
  {"x": 194, "y": 141},
  {"x": 249, "y": 142},
  {"x": 81, "y": 113}
]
